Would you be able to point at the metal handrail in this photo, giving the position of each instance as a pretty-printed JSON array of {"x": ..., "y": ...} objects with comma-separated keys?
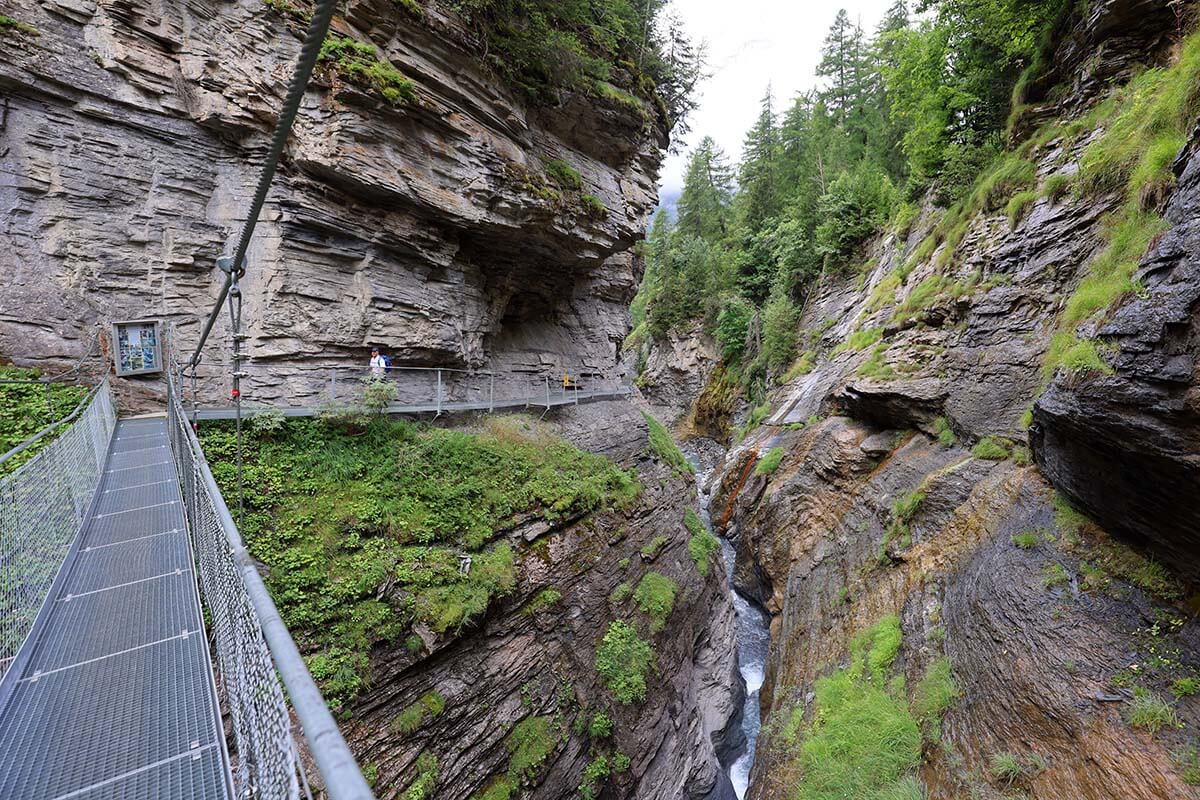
[{"x": 339, "y": 770}]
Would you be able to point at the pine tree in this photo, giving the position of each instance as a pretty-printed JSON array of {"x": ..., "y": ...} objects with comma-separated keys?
[
  {"x": 758, "y": 191},
  {"x": 707, "y": 189},
  {"x": 842, "y": 64}
]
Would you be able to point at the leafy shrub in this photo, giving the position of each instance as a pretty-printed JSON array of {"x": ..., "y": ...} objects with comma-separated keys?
[
  {"x": 770, "y": 462},
  {"x": 779, "y": 322},
  {"x": 601, "y": 726},
  {"x": 620, "y": 763},
  {"x": 267, "y": 422},
  {"x": 427, "y": 776},
  {"x": 623, "y": 660},
  {"x": 655, "y": 596},
  {"x": 620, "y": 594},
  {"x": 529, "y": 744},
  {"x": 27, "y": 408},
  {"x": 378, "y": 395}
]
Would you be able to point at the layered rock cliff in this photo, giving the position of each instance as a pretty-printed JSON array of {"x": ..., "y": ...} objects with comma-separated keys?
[
  {"x": 131, "y": 135},
  {"x": 925, "y": 469}
]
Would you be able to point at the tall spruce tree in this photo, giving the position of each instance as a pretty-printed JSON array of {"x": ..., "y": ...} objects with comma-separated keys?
[{"x": 707, "y": 190}]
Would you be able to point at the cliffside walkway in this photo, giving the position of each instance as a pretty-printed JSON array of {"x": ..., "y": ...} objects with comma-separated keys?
[
  {"x": 430, "y": 390},
  {"x": 112, "y": 695},
  {"x": 138, "y": 644}
]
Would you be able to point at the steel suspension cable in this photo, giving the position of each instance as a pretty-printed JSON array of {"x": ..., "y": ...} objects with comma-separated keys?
[{"x": 322, "y": 15}]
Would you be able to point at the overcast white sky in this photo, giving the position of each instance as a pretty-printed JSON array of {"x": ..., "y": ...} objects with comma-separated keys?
[{"x": 752, "y": 43}]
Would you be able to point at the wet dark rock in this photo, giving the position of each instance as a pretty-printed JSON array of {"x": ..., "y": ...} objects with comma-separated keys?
[{"x": 1125, "y": 448}]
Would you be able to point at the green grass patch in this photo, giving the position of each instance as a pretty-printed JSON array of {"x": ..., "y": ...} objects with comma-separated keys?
[
  {"x": 593, "y": 207},
  {"x": 1054, "y": 575},
  {"x": 703, "y": 545},
  {"x": 623, "y": 660},
  {"x": 542, "y": 600},
  {"x": 655, "y": 596},
  {"x": 860, "y": 340},
  {"x": 529, "y": 744},
  {"x": 990, "y": 448},
  {"x": 874, "y": 367},
  {"x": 1027, "y": 540},
  {"x": 1185, "y": 687},
  {"x": 662, "y": 444},
  {"x": 934, "y": 695},
  {"x": 620, "y": 594},
  {"x": 360, "y": 64},
  {"x": 653, "y": 547},
  {"x": 803, "y": 365},
  {"x": 1006, "y": 767},
  {"x": 1056, "y": 186},
  {"x": 862, "y": 739},
  {"x": 758, "y": 414},
  {"x": 337, "y": 514},
  {"x": 26, "y": 409},
  {"x": 8, "y": 23},
  {"x": 562, "y": 173},
  {"x": 943, "y": 431},
  {"x": 770, "y": 462},
  {"x": 1149, "y": 712},
  {"x": 1018, "y": 204}
]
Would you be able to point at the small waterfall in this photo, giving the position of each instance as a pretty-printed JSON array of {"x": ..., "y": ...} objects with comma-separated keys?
[{"x": 753, "y": 638}]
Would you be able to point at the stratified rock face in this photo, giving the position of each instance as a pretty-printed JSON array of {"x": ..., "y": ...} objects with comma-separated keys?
[
  {"x": 534, "y": 658},
  {"x": 1126, "y": 447},
  {"x": 676, "y": 370},
  {"x": 131, "y": 135},
  {"x": 1048, "y": 622}
]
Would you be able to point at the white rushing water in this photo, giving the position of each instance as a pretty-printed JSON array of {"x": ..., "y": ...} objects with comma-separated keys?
[{"x": 753, "y": 638}]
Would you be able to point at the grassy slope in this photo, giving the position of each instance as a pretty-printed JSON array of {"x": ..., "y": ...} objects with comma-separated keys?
[
  {"x": 362, "y": 529},
  {"x": 24, "y": 411}
]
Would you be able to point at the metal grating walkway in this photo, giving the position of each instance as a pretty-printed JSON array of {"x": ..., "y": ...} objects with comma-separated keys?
[{"x": 112, "y": 697}]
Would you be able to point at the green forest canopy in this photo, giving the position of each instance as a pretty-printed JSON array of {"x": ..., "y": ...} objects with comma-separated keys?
[{"x": 921, "y": 103}]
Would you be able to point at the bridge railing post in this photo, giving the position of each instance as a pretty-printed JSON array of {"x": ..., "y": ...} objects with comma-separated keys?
[
  {"x": 439, "y": 392},
  {"x": 492, "y": 393}
]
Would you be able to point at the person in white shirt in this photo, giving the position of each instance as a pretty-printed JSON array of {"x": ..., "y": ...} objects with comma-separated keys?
[{"x": 378, "y": 363}]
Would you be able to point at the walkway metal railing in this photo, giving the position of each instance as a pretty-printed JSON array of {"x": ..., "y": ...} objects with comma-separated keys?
[
  {"x": 42, "y": 504},
  {"x": 251, "y": 644}
]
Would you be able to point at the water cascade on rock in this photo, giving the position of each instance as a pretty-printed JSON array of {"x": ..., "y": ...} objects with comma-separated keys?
[{"x": 753, "y": 624}]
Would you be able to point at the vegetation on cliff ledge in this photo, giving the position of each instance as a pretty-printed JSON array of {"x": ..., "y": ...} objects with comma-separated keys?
[{"x": 366, "y": 530}]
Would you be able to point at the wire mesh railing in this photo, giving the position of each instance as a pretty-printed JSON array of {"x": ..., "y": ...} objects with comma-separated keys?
[
  {"x": 256, "y": 657},
  {"x": 42, "y": 505}
]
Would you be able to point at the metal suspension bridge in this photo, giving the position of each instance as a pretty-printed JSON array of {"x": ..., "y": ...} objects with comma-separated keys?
[{"x": 141, "y": 655}]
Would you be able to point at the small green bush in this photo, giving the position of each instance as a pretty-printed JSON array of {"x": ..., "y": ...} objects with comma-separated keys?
[
  {"x": 990, "y": 448},
  {"x": 593, "y": 206},
  {"x": 359, "y": 63},
  {"x": 8, "y": 23},
  {"x": 601, "y": 726},
  {"x": 543, "y": 599},
  {"x": 945, "y": 434},
  {"x": 1026, "y": 540},
  {"x": 529, "y": 744},
  {"x": 703, "y": 544},
  {"x": 620, "y": 594},
  {"x": 655, "y": 596},
  {"x": 623, "y": 661},
  {"x": 1006, "y": 767},
  {"x": 770, "y": 462},
  {"x": 427, "y": 776},
  {"x": 1149, "y": 712},
  {"x": 620, "y": 763},
  {"x": 564, "y": 174},
  {"x": 1185, "y": 687}
]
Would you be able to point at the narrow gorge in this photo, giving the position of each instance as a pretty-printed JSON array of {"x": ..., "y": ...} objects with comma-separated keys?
[{"x": 901, "y": 503}]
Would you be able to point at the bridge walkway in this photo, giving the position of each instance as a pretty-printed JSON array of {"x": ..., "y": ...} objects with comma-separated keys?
[{"x": 113, "y": 695}]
